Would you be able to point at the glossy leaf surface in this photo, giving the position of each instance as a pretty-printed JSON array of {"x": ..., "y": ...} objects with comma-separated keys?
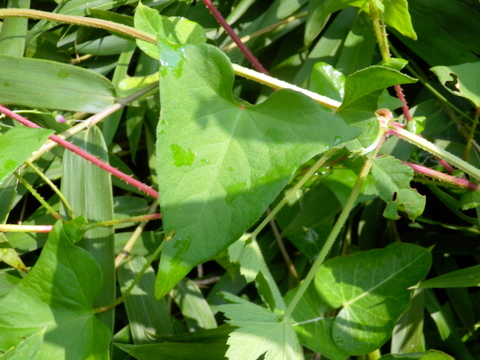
[
  {"x": 58, "y": 295},
  {"x": 429, "y": 355},
  {"x": 221, "y": 163},
  {"x": 370, "y": 288}
]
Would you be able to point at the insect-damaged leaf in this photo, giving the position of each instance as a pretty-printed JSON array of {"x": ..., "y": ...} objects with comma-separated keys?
[{"x": 221, "y": 162}]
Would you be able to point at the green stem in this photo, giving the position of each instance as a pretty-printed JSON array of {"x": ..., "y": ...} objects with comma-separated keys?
[
  {"x": 38, "y": 196},
  {"x": 435, "y": 150},
  {"x": 302, "y": 181},
  {"x": 349, "y": 205},
  {"x": 121, "y": 221},
  {"x": 471, "y": 135},
  {"x": 127, "y": 292},
  {"x": 380, "y": 33},
  {"x": 79, "y": 20},
  {"x": 53, "y": 187}
]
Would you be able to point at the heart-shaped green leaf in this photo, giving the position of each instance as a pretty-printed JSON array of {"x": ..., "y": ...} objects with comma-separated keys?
[
  {"x": 371, "y": 288},
  {"x": 221, "y": 162},
  {"x": 57, "y": 295}
]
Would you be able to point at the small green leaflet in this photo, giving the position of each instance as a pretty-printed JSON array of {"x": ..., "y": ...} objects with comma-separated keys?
[
  {"x": 371, "y": 290},
  {"x": 392, "y": 179},
  {"x": 56, "y": 298},
  {"x": 259, "y": 332}
]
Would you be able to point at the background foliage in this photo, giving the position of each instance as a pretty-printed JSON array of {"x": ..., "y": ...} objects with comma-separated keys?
[{"x": 217, "y": 277}]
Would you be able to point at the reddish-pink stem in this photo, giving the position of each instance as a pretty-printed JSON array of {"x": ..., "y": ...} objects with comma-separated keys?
[
  {"x": 401, "y": 97},
  {"x": 75, "y": 149},
  {"x": 243, "y": 48},
  {"x": 441, "y": 176}
]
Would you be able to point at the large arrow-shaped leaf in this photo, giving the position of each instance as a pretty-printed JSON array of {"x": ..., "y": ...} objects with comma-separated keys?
[
  {"x": 56, "y": 299},
  {"x": 220, "y": 162}
]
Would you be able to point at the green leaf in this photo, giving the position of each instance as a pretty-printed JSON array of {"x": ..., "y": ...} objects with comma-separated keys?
[
  {"x": 197, "y": 312},
  {"x": 247, "y": 253},
  {"x": 9, "y": 255},
  {"x": 371, "y": 290},
  {"x": 58, "y": 295},
  {"x": 392, "y": 179},
  {"x": 397, "y": 16},
  {"x": 202, "y": 345},
  {"x": 175, "y": 30},
  {"x": 27, "y": 348},
  {"x": 469, "y": 277},
  {"x": 362, "y": 93},
  {"x": 88, "y": 189},
  {"x": 461, "y": 80},
  {"x": 328, "y": 81},
  {"x": 49, "y": 84},
  {"x": 313, "y": 329},
  {"x": 147, "y": 316},
  {"x": 260, "y": 332},
  {"x": 429, "y": 355},
  {"x": 221, "y": 163},
  {"x": 17, "y": 146}
]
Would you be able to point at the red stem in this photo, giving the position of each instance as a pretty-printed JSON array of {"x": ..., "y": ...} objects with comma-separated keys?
[
  {"x": 401, "y": 97},
  {"x": 243, "y": 48},
  {"x": 441, "y": 176},
  {"x": 75, "y": 149}
]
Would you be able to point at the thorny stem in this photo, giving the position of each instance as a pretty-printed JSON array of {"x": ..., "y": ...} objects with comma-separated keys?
[
  {"x": 243, "y": 48},
  {"x": 94, "y": 160},
  {"x": 379, "y": 28},
  {"x": 441, "y": 176},
  {"x": 331, "y": 237},
  {"x": 396, "y": 129}
]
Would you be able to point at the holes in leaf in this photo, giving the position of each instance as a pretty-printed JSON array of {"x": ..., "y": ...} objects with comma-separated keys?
[
  {"x": 453, "y": 85},
  {"x": 394, "y": 197}
]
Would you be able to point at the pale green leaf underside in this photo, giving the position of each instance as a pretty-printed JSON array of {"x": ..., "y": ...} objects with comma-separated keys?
[
  {"x": 371, "y": 288},
  {"x": 17, "y": 146},
  {"x": 221, "y": 163},
  {"x": 57, "y": 294},
  {"x": 259, "y": 332}
]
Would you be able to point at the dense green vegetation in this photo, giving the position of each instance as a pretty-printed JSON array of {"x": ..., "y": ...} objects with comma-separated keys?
[{"x": 321, "y": 206}]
